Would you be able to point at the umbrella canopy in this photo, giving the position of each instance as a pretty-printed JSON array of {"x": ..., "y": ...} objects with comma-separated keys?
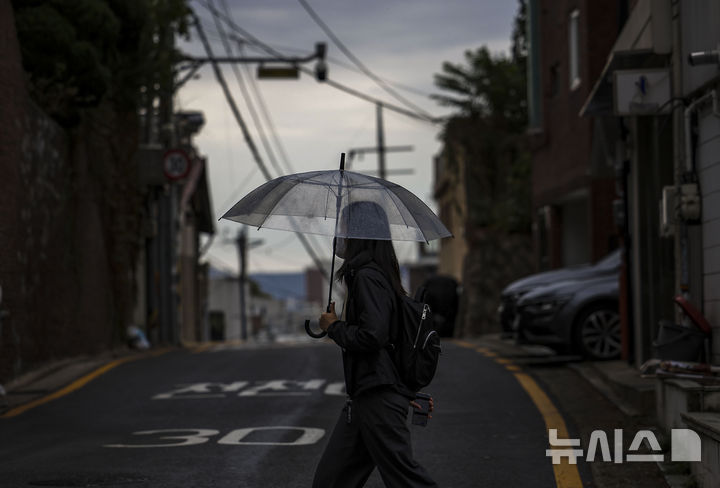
[
  {"x": 311, "y": 202},
  {"x": 341, "y": 204}
]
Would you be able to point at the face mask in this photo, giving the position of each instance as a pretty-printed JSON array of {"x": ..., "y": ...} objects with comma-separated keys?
[{"x": 341, "y": 247}]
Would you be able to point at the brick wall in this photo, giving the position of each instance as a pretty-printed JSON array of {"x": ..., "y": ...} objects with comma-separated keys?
[{"x": 562, "y": 161}]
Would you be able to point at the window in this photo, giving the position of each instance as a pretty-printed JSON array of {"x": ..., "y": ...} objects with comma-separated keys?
[{"x": 574, "y": 50}]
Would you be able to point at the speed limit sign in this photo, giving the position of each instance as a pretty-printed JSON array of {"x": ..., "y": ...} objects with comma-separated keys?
[{"x": 176, "y": 164}]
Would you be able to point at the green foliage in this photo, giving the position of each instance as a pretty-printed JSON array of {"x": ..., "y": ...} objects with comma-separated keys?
[
  {"x": 487, "y": 86},
  {"x": 487, "y": 131},
  {"x": 78, "y": 53}
]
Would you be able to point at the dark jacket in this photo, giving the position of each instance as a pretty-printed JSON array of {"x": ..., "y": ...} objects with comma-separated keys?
[{"x": 366, "y": 332}]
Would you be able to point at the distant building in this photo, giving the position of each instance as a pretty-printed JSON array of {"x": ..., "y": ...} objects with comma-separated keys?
[{"x": 277, "y": 308}]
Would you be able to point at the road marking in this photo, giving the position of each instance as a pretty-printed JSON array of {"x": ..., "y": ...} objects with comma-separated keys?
[
  {"x": 75, "y": 385},
  {"x": 191, "y": 437},
  {"x": 503, "y": 361},
  {"x": 566, "y": 474},
  {"x": 259, "y": 388},
  {"x": 309, "y": 436}
]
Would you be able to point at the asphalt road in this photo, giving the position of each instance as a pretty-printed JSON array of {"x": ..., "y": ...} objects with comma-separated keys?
[{"x": 259, "y": 416}]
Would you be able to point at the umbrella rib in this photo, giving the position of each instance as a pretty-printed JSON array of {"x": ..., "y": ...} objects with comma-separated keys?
[
  {"x": 400, "y": 212},
  {"x": 327, "y": 197},
  {"x": 275, "y": 206}
]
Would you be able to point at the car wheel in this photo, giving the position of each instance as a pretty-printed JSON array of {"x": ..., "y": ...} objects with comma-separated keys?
[{"x": 597, "y": 333}]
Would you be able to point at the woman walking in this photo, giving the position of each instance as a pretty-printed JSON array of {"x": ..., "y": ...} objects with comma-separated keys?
[{"x": 372, "y": 430}]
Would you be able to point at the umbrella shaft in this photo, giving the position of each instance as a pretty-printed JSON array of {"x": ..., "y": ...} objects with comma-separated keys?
[
  {"x": 332, "y": 271},
  {"x": 337, "y": 221}
]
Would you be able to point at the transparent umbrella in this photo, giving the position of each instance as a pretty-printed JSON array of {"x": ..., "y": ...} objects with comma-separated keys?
[{"x": 338, "y": 203}]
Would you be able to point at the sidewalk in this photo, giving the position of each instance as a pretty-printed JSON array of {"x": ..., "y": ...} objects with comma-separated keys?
[
  {"x": 617, "y": 382},
  {"x": 54, "y": 376}
]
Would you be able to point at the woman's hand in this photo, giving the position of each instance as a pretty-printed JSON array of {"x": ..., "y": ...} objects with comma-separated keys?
[
  {"x": 328, "y": 318},
  {"x": 417, "y": 406}
]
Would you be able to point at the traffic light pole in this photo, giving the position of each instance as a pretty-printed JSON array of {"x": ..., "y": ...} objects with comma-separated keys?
[{"x": 196, "y": 62}]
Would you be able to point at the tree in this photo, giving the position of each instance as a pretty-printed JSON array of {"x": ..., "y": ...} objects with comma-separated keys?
[
  {"x": 78, "y": 53},
  {"x": 489, "y": 93},
  {"x": 488, "y": 87},
  {"x": 487, "y": 133}
]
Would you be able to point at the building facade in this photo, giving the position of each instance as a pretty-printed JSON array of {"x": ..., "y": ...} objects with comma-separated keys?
[
  {"x": 660, "y": 86},
  {"x": 572, "y": 188}
]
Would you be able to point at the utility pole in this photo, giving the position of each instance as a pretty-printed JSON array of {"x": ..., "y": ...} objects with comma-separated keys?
[
  {"x": 242, "y": 247},
  {"x": 242, "y": 279},
  {"x": 167, "y": 208},
  {"x": 380, "y": 141},
  {"x": 381, "y": 148}
]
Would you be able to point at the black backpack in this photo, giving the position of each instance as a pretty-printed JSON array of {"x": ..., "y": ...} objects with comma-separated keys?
[{"x": 416, "y": 349}]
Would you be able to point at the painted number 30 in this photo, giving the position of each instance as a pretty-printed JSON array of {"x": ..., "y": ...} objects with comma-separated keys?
[{"x": 304, "y": 436}]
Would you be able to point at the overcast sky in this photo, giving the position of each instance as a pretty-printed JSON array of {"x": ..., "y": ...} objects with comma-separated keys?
[{"x": 401, "y": 41}]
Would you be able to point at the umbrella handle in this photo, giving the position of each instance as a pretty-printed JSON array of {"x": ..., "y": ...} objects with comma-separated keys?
[{"x": 313, "y": 334}]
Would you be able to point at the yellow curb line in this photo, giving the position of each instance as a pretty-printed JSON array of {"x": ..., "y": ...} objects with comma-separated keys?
[
  {"x": 463, "y": 343},
  {"x": 566, "y": 474},
  {"x": 75, "y": 385},
  {"x": 203, "y": 348}
]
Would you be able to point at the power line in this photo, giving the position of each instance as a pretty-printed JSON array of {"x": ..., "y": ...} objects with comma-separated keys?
[
  {"x": 310, "y": 240},
  {"x": 243, "y": 127},
  {"x": 346, "y": 65},
  {"x": 254, "y": 40},
  {"x": 238, "y": 191},
  {"x": 268, "y": 120},
  {"x": 381, "y": 83},
  {"x": 246, "y": 95},
  {"x": 261, "y": 101},
  {"x": 231, "y": 101}
]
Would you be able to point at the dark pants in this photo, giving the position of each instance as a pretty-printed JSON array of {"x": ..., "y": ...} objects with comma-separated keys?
[{"x": 377, "y": 435}]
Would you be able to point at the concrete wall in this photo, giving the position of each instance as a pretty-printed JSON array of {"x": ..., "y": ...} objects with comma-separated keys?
[
  {"x": 708, "y": 168},
  {"x": 68, "y": 224},
  {"x": 451, "y": 197}
]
